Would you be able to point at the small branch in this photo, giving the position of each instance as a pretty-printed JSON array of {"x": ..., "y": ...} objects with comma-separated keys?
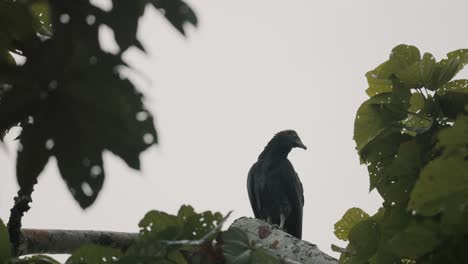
[{"x": 20, "y": 207}]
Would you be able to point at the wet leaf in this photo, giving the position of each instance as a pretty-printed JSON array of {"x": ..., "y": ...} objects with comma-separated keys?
[
  {"x": 442, "y": 182},
  {"x": 414, "y": 242},
  {"x": 346, "y": 223}
]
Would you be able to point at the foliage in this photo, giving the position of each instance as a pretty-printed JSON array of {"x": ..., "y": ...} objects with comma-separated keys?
[
  {"x": 165, "y": 239},
  {"x": 412, "y": 133},
  {"x": 5, "y": 247},
  {"x": 69, "y": 96},
  {"x": 238, "y": 250}
]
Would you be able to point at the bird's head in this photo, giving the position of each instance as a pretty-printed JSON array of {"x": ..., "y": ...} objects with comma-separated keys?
[{"x": 289, "y": 138}]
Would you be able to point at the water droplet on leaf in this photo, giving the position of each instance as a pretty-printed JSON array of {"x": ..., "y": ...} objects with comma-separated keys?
[
  {"x": 148, "y": 138},
  {"x": 49, "y": 144},
  {"x": 96, "y": 170},
  {"x": 64, "y": 18},
  {"x": 86, "y": 188}
]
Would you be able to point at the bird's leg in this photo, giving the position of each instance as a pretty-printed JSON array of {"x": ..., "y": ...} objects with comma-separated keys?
[
  {"x": 268, "y": 220},
  {"x": 282, "y": 220}
]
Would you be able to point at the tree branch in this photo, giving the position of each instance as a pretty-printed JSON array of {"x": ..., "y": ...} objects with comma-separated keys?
[
  {"x": 37, "y": 241},
  {"x": 288, "y": 248},
  {"x": 17, "y": 212}
]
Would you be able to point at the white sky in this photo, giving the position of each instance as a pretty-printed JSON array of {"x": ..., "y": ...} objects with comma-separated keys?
[{"x": 252, "y": 68}]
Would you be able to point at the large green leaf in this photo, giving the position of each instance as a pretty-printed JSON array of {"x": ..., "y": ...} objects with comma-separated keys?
[
  {"x": 160, "y": 225},
  {"x": 80, "y": 104},
  {"x": 461, "y": 54},
  {"x": 365, "y": 237},
  {"x": 404, "y": 63},
  {"x": 158, "y": 229},
  {"x": 442, "y": 182},
  {"x": 377, "y": 84},
  {"x": 375, "y": 117},
  {"x": 80, "y": 118},
  {"x": 444, "y": 71},
  {"x": 414, "y": 242},
  {"x": 426, "y": 68},
  {"x": 405, "y": 55},
  {"x": 454, "y": 140},
  {"x": 33, "y": 153},
  {"x": 5, "y": 246},
  {"x": 453, "y": 98},
  {"x": 236, "y": 247},
  {"x": 399, "y": 176},
  {"x": 123, "y": 19},
  {"x": 349, "y": 219},
  {"x": 197, "y": 225},
  {"x": 420, "y": 118}
]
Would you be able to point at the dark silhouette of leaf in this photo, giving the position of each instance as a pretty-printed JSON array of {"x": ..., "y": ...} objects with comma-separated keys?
[{"x": 177, "y": 12}]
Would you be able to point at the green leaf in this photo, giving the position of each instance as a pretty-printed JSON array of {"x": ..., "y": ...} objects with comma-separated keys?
[
  {"x": 414, "y": 242},
  {"x": 461, "y": 54},
  {"x": 444, "y": 71},
  {"x": 384, "y": 256},
  {"x": 176, "y": 257},
  {"x": 93, "y": 254},
  {"x": 453, "y": 98},
  {"x": 16, "y": 20},
  {"x": 442, "y": 182},
  {"x": 83, "y": 117},
  {"x": 449, "y": 69},
  {"x": 196, "y": 226},
  {"x": 454, "y": 140},
  {"x": 260, "y": 255},
  {"x": 405, "y": 55},
  {"x": 40, "y": 11},
  {"x": 377, "y": 85},
  {"x": 410, "y": 76},
  {"x": 33, "y": 154},
  {"x": 399, "y": 176},
  {"x": 349, "y": 219},
  {"x": 5, "y": 246},
  {"x": 236, "y": 247},
  {"x": 426, "y": 68},
  {"x": 420, "y": 118},
  {"x": 374, "y": 118},
  {"x": 393, "y": 219},
  {"x": 161, "y": 225},
  {"x": 365, "y": 237},
  {"x": 158, "y": 229}
]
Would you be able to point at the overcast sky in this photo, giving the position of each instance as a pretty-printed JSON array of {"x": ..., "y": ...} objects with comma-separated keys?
[{"x": 251, "y": 69}]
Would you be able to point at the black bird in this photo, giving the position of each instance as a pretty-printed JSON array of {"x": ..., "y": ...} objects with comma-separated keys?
[{"x": 275, "y": 191}]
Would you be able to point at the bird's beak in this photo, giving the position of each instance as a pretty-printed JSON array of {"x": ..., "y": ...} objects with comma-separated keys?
[{"x": 299, "y": 144}]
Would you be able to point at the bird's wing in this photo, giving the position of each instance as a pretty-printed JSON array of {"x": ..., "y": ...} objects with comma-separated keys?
[
  {"x": 295, "y": 194},
  {"x": 253, "y": 189}
]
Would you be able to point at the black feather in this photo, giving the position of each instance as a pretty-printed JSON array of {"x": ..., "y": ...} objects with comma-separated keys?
[{"x": 273, "y": 185}]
